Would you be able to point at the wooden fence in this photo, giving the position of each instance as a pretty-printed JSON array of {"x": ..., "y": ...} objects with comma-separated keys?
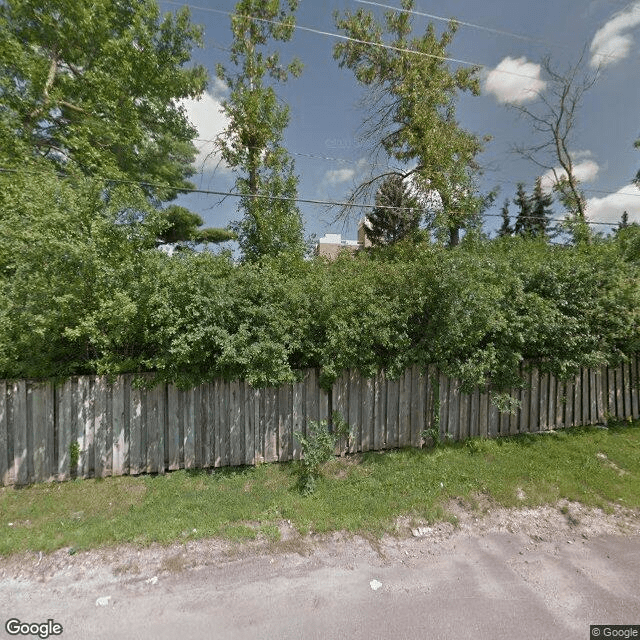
[{"x": 89, "y": 428}]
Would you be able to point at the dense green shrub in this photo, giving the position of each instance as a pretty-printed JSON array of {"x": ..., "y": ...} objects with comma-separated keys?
[{"x": 82, "y": 289}]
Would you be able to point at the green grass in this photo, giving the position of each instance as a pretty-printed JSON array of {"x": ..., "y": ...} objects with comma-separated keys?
[{"x": 363, "y": 494}]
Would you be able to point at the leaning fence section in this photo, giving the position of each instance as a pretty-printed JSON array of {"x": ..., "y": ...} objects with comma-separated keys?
[{"x": 88, "y": 427}]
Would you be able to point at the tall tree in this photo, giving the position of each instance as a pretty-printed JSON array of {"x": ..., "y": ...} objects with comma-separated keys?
[
  {"x": 397, "y": 213},
  {"x": 93, "y": 88},
  {"x": 553, "y": 118},
  {"x": 252, "y": 144},
  {"x": 411, "y": 108},
  {"x": 624, "y": 221},
  {"x": 540, "y": 210},
  {"x": 506, "y": 229},
  {"x": 524, "y": 219}
]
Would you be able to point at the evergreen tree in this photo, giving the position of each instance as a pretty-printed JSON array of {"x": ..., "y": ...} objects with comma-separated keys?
[
  {"x": 397, "y": 213},
  {"x": 184, "y": 227},
  {"x": 506, "y": 229},
  {"x": 624, "y": 221},
  {"x": 540, "y": 211},
  {"x": 523, "y": 225}
]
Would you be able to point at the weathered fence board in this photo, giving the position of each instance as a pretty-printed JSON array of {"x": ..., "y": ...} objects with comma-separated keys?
[
  {"x": 119, "y": 428},
  {"x": 4, "y": 444}
]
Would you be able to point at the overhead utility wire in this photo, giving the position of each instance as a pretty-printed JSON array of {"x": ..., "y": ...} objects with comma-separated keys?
[
  {"x": 363, "y": 163},
  {"x": 283, "y": 198},
  {"x": 480, "y": 27},
  {"x": 356, "y": 40}
]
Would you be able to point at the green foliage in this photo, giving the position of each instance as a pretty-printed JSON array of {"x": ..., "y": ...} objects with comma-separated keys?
[
  {"x": 396, "y": 215},
  {"x": 318, "y": 447},
  {"x": 183, "y": 226},
  {"x": 83, "y": 289},
  {"x": 252, "y": 144},
  {"x": 412, "y": 96},
  {"x": 94, "y": 88},
  {"x": 506, "y": 229},
  {"x": 74, "y": 456}
]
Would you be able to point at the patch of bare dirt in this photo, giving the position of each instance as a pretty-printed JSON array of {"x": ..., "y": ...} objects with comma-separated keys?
[{"x": 565, "y": 522}]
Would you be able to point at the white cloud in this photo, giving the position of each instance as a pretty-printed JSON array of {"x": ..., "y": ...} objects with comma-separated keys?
[
  {"x": 611, "y": 207},
  {"x": 206, "y": 116},
  {"x": 614, "y": 40},
  {"x": 584, "y": 171},
  {"x": 515, "y": 80},
  {"x": 338, "y": 176}
]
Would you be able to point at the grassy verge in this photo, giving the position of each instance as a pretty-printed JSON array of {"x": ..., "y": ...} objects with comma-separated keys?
[{"x": 365, "y": 494}]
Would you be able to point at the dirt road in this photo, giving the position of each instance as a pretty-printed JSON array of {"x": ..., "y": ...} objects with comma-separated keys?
[{"x": 536, "y": 574}]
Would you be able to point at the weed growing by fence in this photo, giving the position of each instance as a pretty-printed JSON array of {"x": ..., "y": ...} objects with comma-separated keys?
[{"x": 318, "y": 447}]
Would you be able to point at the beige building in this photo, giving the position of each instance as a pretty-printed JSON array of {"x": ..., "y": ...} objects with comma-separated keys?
[{"x": 331, "y": 244}]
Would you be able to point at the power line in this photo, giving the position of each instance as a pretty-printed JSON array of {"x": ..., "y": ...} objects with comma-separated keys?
[
  {"x": 481, "y": 27},
  {"x": 326, "y": 203},
  {"x": 356, "y": 40},
  {"x": 363, "y": 163}
]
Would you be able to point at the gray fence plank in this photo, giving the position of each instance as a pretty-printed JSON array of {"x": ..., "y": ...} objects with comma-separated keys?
[
  {"x": 271, "y": 424},
  {"x": 586, "y": 395},
  {"x": 368, "y": 413},
  {"x": 619, "y": 393},
  {"x": 551, "y": 409},
  {"x": 593, "y": 396},
  {"x": 189, "y": 437},
  {"x": 38, "y": 445},
  {"x": 560, "y": 402},
  {"x": 454, "y": 409},
  {"x": 525, "y": 408},
  {"x": 463, "y": 421},
  {"x": 443, "y": 392},
  {"x": 249, "y": 397},
  {"x": 626, "y": 390},
  {"x": 514, "y": 416},
  {"x": 543, "y": 415},
  {"x": 354, "y": 417},
  {"x": 417, "y": 405},
  {"x": 404, "y": 416},
  {"x": 483, "y": 414},
  {"x": 64, "y": 393},
  {"x": 379, "y": 411},
  {"x": 120, "y": 448},
  {"x": 635, "y": 408},
  {"x": 393, "y": 394},
  {"x": 577, "y": 399},
  {"x": 259, "y": 418},
  {"x": 175, "y": 426},
  {"x": 101, "y": 428},
  {"x": 494, "y": 420},
  {"x": 155, "y": 429},
  {"x": 20, "y": 425},
  {"x": 206, "y": 432},
  {"x": 285, "y": 409},
  {"x": 136, "y": 428},
  {"x": 4, "y": 436},
  {"x": 235, "y": 424},
  {"x": 20, "y": 443}
]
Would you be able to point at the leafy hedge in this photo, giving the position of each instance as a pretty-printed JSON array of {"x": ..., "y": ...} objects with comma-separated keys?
[{"x": 82, "y": 289}]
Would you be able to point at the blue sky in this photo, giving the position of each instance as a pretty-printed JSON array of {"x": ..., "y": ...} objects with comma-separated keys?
[{"x": 508, "y": 38}]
